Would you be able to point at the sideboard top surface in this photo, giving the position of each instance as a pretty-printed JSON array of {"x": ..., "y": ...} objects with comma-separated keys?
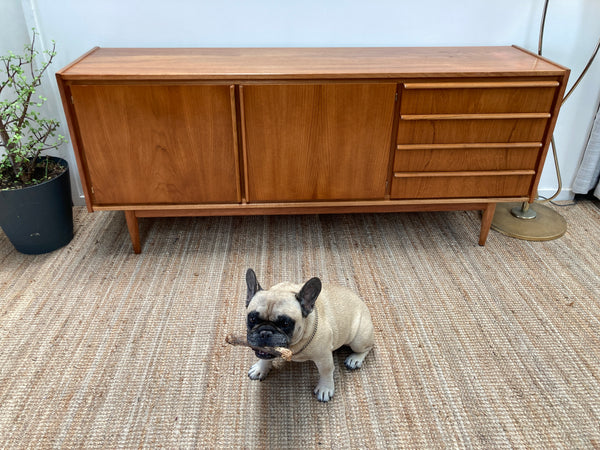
[{"x": 305, "y": 63}]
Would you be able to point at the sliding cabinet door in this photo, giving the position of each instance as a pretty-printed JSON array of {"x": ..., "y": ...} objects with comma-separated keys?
[
  {"x": 158, "y": 144},
  {"x": 308, "y": 142}
]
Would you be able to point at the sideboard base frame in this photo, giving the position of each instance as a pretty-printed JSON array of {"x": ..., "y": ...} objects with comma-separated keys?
[{"x": 131, "y": 215}]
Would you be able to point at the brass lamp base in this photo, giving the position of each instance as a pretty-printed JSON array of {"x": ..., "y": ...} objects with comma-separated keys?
[{"x": 545, "y": 225}]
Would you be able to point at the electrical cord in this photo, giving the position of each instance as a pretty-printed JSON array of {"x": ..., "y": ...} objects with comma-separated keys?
[{"x": 564, "y": 99}]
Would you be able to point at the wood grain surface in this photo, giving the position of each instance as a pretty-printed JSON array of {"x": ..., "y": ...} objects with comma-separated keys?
[{"x": 294, "y": 63}]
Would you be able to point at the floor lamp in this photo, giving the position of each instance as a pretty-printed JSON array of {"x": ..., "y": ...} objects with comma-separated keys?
[{"x": 535, "y": 221}]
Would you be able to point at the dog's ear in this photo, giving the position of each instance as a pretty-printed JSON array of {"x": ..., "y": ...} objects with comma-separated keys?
[
  {"x": 253, "y": 286},
  {"x": 308, "y": 295}
]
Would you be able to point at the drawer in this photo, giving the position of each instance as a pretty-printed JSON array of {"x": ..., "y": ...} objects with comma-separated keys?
[
  {"x": 469, "y": 131},
  {"x": 461, "y": 184},
  {"x": 466, "y": 157},
  {"x": 478, "y": 97}
]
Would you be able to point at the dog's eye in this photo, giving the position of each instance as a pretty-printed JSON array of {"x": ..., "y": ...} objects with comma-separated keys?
[
  {"x": 285, "y": 323},
  {"x": 252, "y": 319}
]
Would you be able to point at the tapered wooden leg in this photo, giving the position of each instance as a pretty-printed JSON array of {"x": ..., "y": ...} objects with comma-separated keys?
[
  {"x": 134, "y": 231},
  {"x": 486, "y": 222}
]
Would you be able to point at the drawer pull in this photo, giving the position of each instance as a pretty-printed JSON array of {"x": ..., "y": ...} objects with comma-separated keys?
[
  {"x": 486, "y": 173},
  {"x": 469, "y": 146},
  {"x": 475, "y": 116},
  {"x": 482, "y": 85}
]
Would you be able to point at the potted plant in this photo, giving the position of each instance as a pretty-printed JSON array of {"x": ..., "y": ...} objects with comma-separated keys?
[{"x": 35, "y": 193}]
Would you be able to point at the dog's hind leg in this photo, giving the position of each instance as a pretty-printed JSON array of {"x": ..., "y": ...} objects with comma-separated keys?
[
  {"x": 361, "y": 346},
  {"x": 355, "y": 360}
]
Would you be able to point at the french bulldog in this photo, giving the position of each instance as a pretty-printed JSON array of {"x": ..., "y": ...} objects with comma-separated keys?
[{"x": 309, "y": 320}]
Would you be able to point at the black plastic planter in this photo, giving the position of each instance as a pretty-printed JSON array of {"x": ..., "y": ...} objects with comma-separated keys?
[{"x": 39, "y": 219}]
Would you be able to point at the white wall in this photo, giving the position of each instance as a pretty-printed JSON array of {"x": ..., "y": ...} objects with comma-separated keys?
[
  {"x": 15, "y": 33},
  {"x": 572, "y": 30}
]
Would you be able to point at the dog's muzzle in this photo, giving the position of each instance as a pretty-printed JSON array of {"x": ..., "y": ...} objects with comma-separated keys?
[{"x": 267, "y": 335}]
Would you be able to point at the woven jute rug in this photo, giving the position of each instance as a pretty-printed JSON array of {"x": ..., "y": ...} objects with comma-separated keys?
[{"x": 475, "y": 347}]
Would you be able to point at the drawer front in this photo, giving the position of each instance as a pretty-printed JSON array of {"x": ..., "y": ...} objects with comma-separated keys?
[
  {"x": 460, "y": 185},
  {"x": 478, "y": 97},
  {"x": 461, "y": 157},
  {"x": 471, "y": 139},
  {"x": 459, "y": 131}
]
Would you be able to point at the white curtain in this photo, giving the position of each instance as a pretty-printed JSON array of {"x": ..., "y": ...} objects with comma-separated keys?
[{"x": 589, "y": 169}]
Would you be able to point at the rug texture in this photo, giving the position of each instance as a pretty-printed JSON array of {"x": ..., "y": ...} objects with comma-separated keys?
[{"x": 475, "y": 347}]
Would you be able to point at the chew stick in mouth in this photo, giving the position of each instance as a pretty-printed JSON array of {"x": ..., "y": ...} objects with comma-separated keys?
[{"x": 283, "y": 352}]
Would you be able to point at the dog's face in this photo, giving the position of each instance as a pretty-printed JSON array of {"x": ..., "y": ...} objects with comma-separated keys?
[{"x": 276, "y": 317}]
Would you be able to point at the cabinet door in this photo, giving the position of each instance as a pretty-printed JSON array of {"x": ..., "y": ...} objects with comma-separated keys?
[
  {"x": 157, "y": 144},
  {"x": 308, "y": 142}
]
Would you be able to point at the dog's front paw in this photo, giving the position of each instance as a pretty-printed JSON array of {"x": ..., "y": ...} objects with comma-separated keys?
[
  {"x": 260, "y": 370},
  {"x": 324, "y": 391}
]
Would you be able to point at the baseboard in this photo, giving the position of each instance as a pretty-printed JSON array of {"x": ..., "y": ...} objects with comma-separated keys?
[
  {"x": 78, "y": 200},
  {"x": 565, "y": 194}
]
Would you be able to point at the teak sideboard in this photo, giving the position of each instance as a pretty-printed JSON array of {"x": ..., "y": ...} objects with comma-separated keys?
[{"x": 235, "y": 131}]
